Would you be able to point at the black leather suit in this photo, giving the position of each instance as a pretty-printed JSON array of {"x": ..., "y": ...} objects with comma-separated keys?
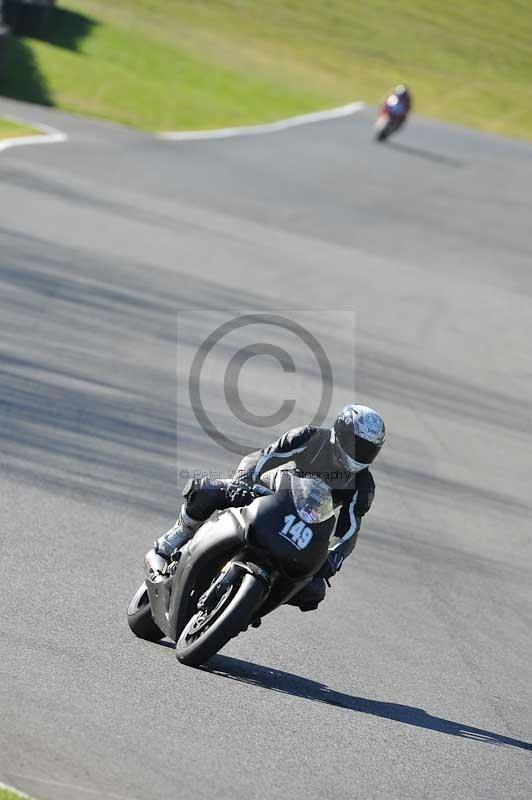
[{"x": 309, "y": 451}]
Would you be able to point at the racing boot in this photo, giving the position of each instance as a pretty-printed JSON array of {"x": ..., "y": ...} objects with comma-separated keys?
[{"x": 157, "y": 559}]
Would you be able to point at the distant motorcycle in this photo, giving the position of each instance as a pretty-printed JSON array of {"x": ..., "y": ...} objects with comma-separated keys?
[
  {"x": 241, "y": 564},
  {"x": 393, "y": 113}
]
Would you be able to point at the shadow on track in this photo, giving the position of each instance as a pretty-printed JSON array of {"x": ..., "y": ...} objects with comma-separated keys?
[
  {"x": 428, "y": 155},
  {"x": 84, "y": 406},
  {"x": 297, "y": 686}
]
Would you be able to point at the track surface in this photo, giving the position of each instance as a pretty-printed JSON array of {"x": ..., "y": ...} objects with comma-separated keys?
[{"x": 413, "y": 678}]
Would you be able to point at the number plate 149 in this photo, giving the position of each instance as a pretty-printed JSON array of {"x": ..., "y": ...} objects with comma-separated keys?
[{"x": 297, "y": 533}]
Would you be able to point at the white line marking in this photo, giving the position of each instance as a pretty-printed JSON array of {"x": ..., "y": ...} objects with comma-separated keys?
[
  {"x": 49, "y": 135},
  {"x": 269, "y": 127},
  {"x": 15, "y": 791}
]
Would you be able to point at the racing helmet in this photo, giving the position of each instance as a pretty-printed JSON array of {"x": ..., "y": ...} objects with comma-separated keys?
[{"x": 357, "y": 437}]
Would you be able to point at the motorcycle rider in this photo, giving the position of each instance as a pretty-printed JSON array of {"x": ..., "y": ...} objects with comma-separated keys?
[
  {"x": 339, "y": 456},
  {"x": 399, "y": 102}
]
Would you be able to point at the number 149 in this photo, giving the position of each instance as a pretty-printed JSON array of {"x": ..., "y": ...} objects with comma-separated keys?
[{"x": 298, "y": 533}]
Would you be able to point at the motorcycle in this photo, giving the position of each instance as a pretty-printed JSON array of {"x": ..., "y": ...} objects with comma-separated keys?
[
  {"x": 391, "y": 116},
  {"x": 240, "y": 565}
]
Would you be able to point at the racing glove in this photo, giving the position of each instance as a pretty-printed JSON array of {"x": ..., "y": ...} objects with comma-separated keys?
[
  {"x": 335, "y": 559},
  {"x": 240, "y": 493}
]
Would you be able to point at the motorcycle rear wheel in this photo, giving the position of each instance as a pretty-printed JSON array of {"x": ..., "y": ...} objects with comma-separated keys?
[
  {"x": 201, "y": 639},
  {"x": 139, "y": 616}
]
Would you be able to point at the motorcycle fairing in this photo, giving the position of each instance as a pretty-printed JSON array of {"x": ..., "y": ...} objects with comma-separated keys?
[
  {"x": 394, "y": 106},
  {"x": 252, "y": 532},
  {"x": 218, "y": 540},
  {"x": 264, "y": 520}
]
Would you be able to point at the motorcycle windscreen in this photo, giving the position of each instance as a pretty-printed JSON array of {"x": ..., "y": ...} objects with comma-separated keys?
[{"x": 312, "y": 499}]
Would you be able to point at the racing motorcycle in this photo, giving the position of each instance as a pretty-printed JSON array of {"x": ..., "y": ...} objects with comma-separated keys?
[
  {"x": 240, "y": 565},
  {"x": 391, "y": 116}
]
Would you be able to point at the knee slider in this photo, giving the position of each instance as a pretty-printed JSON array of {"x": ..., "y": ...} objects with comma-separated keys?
[
  {"x": 317, "y": 589},
  {"x": 309, "y": 598}
]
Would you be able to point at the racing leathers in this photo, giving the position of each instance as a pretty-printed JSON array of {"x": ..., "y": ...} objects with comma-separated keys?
[
  {"x": 312, "y": 454},
  {"x": 309, "y": 452}
]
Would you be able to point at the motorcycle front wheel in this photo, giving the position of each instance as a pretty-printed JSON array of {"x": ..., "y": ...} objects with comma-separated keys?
[
  {"x": 382, "y": 134},
  {"x": 139, "y": 616},
  {"x": 207, "y": 632}
]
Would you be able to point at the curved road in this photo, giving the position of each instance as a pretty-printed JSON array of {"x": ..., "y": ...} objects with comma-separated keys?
[{"x": 413, "y": 678}]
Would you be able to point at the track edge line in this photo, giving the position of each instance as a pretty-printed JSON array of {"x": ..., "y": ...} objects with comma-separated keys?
[
  {"x": 48, "y": 135},
  {"x": 267, "y": 127}
]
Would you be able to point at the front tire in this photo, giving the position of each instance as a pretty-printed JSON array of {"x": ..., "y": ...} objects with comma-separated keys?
[
  {"x": 202, "y": 638},
  {"x": 383, "y": 133},
  {"x": 383, "y": 127},
  {"x": 139, "y": 616}
]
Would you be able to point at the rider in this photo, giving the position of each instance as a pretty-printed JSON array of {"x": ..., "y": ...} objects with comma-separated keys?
[
  {"x": 339, "y": 456},
  {"x": 402, "y": 105}
]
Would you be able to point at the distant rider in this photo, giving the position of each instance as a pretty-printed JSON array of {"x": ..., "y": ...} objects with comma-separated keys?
[
  {"x": 398, "y": 104},
  {"x": 339, "y": 456}
]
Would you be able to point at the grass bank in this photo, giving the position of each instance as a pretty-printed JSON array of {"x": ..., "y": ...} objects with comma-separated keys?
[
  {"x": 7, "y": 794},
  {"x": 176, "y": 64},
  {"x": 10, "y": 130}
]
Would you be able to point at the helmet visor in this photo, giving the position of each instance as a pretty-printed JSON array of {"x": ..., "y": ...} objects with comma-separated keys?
[{"x": 359, "y": 452}]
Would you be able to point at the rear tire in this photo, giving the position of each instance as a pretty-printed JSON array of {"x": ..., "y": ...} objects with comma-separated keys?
[
  {"x": 194, "y": 649},
  {"x": 139, "y": 616}
]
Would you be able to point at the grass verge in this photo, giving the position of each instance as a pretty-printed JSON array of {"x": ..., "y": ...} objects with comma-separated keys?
[
  {"x": 11, "y": 130},
  {"x": 7, "y": 794},
  {"x": 176, "y": 64}
]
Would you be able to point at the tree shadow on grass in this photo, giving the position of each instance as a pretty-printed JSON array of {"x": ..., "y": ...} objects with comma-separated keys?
[
  {"x": 297, "y": 686},
  {"x": 22, "y": 78},
  {"x": 67, "y": 29}
]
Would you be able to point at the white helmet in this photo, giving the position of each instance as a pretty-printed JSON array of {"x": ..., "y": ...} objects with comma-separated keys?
[{"x": 357, "y": 436}]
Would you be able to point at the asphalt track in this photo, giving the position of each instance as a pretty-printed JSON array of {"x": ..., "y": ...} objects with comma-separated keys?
[{"x": 413, "y": 679}]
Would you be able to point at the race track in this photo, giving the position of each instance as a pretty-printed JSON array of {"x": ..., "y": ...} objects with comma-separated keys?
[{"x": 413, "y": 679}]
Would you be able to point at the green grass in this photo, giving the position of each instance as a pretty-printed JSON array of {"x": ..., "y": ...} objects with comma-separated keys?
[
  {"x": 179, "y": 64},
  {"x": 10, "y": 130},
  {"x": 5, "y": 794}
]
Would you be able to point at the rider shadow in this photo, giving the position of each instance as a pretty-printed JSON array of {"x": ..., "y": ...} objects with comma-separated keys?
[
  {"x": 295, "y": 685},
  {"x": 428, "y": 155}
]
